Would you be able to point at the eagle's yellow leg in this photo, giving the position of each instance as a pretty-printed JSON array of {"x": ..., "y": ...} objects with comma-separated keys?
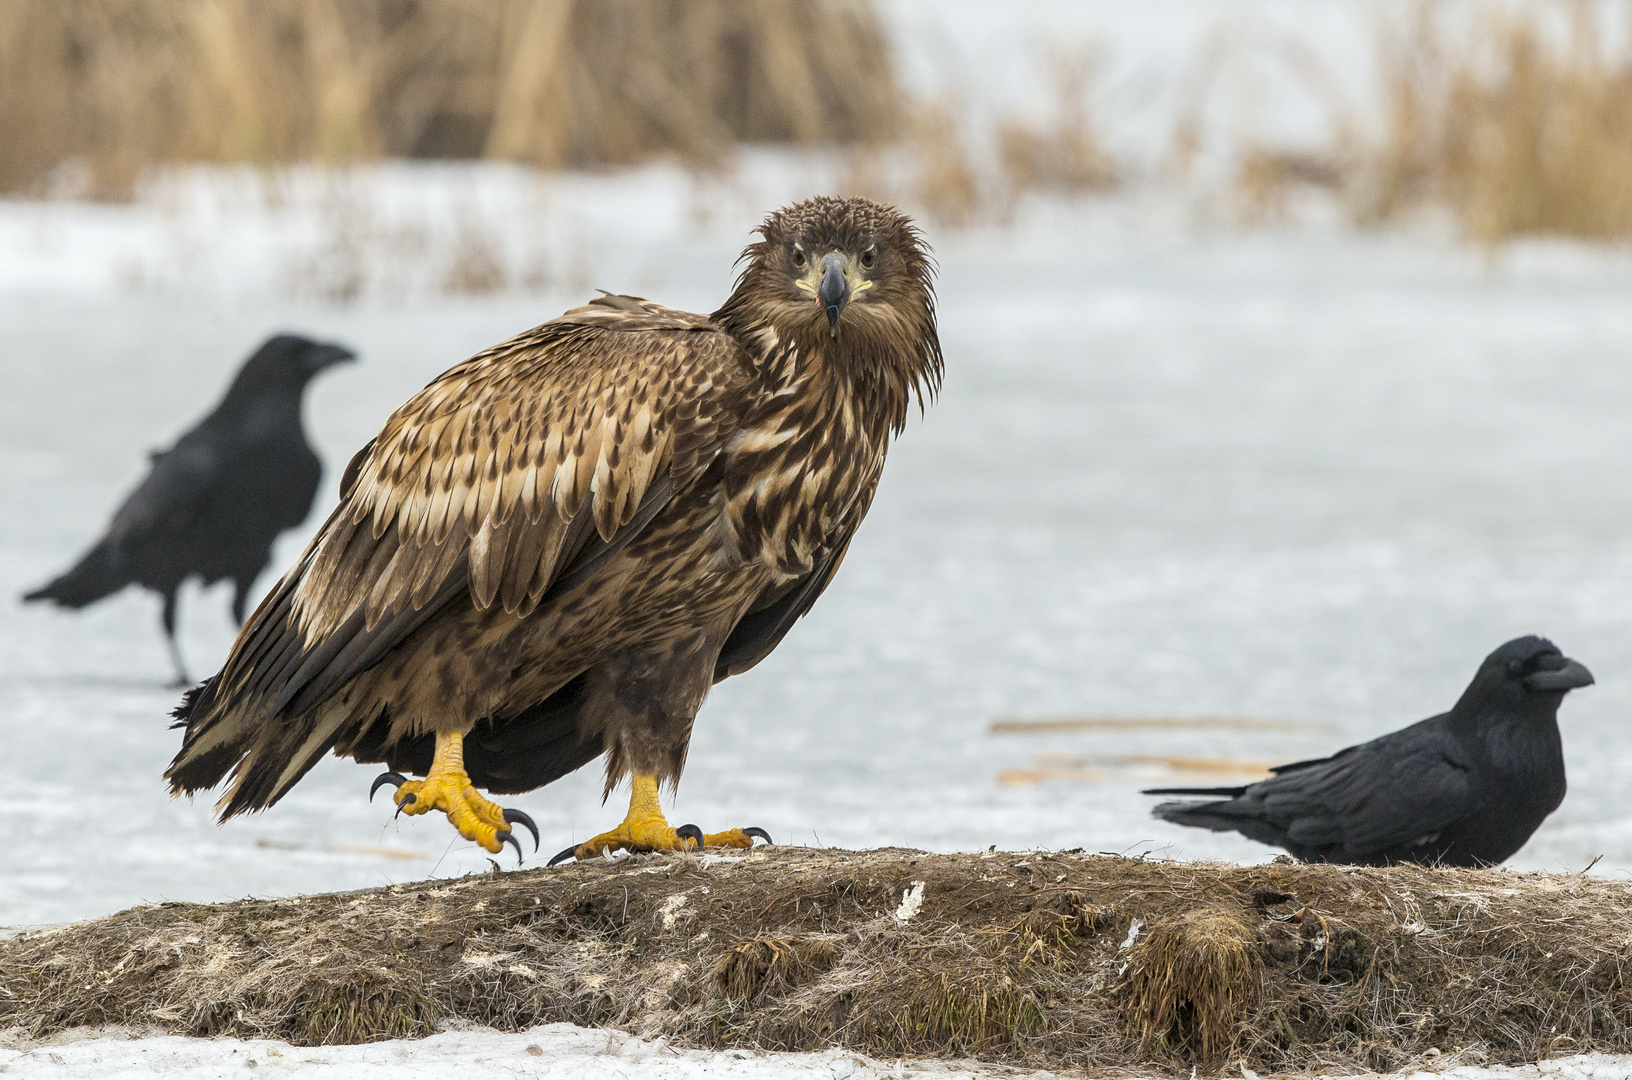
[
  {"x": 644, "y": 828},
  {"x": 447, "y": 788}
]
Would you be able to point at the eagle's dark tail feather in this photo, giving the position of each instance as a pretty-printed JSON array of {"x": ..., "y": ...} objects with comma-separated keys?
[
  {"x": 92, "y": 578},
  {"x": 265, "y": 759},
  {"x": 192, "y": 701},
  {"x": 194, "y": 772}
]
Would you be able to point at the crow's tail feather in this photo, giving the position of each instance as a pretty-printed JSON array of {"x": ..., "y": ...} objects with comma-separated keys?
[
  {"x": 1208, "y": 792},
  {"x": 1205, "y": 815},
  {"x": 92, "y": 578}
]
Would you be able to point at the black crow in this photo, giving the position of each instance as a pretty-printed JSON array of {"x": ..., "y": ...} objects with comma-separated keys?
[
  {"x": 213, "y": 503},
  {"x": 1464, "y": 788}
]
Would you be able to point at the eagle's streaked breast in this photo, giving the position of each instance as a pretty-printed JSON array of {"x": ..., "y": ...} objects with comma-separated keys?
[{"x": 802, "y": 468}]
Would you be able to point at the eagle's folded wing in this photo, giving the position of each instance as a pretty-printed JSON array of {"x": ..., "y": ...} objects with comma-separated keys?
[{"x": 521, "y": 468}]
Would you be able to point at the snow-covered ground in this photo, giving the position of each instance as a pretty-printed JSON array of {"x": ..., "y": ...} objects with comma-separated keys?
[
  {"x": 551, "y": 1052},
  {"x": 1299, "y": 474},
  {"x": 1177, "y": 471},
  {"x": 561, "y": 1051},
  {"x": 545, "y": 1053}
]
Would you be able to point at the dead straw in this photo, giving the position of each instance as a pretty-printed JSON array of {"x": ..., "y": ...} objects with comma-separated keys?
[
  {"x": 1042, "y": 959},
  {"x": 106, "y": 88}
]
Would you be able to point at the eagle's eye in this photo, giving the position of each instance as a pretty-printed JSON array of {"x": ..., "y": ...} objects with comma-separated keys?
[
  {"x": 798, "y": 258},
  {"x": 868, "y": 257}
]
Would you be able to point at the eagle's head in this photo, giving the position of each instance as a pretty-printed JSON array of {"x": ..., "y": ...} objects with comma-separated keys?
[{"x": 849, "y": 280}]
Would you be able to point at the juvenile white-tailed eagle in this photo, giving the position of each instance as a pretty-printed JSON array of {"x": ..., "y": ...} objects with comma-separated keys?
[{"x": 553, "y": 550}]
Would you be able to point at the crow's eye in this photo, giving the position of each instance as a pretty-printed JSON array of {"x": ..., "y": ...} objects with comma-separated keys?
[
  {"x": 1515, "y": 668},
  {"x": 868, "y": 257},
  {"x": 798, "y": 258}
]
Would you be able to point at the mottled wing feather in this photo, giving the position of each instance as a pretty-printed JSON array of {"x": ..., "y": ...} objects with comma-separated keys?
[
  {"x": 768, "y": 621},
  {"x": 760, "y": 631},
  {"x": 510, "y": 472}
]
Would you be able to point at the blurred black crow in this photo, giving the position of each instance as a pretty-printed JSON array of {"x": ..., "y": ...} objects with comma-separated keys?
[
  {"x": 212, "y": 504},
  {"x": 1465, "y": 788}
]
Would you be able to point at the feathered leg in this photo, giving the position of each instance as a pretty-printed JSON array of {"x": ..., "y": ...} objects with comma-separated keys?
[{"x": 646, "y": 699}]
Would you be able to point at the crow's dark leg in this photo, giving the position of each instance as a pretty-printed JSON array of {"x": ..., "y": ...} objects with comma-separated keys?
[
  {"x": 240, "y": 594},
  {"x": 170, "y": 637}
]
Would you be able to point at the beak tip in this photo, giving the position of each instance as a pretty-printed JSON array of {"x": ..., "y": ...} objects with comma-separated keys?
[
  {"x": 1573, "y": 676},
  {"x": 834, "y": 291}
]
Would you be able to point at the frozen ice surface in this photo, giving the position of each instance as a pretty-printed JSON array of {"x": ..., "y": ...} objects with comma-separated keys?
[{"x": 1279, "y": 474}]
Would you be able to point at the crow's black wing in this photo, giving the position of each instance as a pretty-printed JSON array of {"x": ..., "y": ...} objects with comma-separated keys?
[
  {"x": 1388, "y": 793},
  {"x": 169, "y": 497}
]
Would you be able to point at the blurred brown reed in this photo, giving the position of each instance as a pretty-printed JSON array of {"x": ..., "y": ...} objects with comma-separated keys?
[
  {"x": 118, "y": 85},
  {"x": 959, "y": 164},
  {"x": 1519, "y": 125},
  {"x": 1065, "y": 153}
]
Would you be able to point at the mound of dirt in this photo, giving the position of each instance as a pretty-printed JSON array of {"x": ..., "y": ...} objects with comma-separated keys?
[{"x": 1042, "y": 959}]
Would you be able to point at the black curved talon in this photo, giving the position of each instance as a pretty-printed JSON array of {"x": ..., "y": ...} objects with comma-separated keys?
[
  {"x": 516, "y": 817},
  {"x": 570, "y": 853},
  {"x": 755, "y": 830},
  {"x": 392, "y": 778},
  {"x": 505, "y": 836},
  {"x": 692, "y": 832},
  {"x": 407, "y": 800}
]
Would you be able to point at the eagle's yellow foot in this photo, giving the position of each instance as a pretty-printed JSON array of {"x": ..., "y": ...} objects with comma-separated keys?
[
  {"x": 447, "y": 788},
  {"x": 645, "y": 828}
]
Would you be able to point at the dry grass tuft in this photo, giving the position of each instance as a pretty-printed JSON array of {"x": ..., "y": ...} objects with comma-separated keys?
[
  {"x": 948, "y": 184},
  {"x": 1028, "y": 959},
  {"x": 475, "y": 267},
  {"x": 358, "y": 1006},
  {"x": 119, "y": 85},
  {"x": 973, "y": 1013},
  {"x": 751, "y": 969},
  {"x": 1190, "y": 980},
  {"x": 1266, "y": 179},
  {"x": 960, "y": 168},
  {"x": 1050, "y": 934}
]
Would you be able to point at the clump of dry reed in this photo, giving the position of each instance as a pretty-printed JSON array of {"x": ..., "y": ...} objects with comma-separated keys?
[
  {"x": 1522, "y": 127},
  {"x": 122, "y": 84},
  {"x": 1216, "y": 122},
  {"x": 1065, "y": 152},
  {"x": 1518, "y": 121},
  {"x": 960, "y": 165}
]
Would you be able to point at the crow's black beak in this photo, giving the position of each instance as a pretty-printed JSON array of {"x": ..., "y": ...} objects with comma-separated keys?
[
  {"x": 834, "y": 291},
  {"x": 1571, "y": 676},
  {"x": 321, "y": 357}
]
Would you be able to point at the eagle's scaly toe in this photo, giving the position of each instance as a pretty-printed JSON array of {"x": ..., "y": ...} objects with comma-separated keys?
[
  {"x": 646, "y": 829},
  {"x": 447, "y": 788},
  {"x": 476, "y": 817},
  {"x": 737, "y": 837}
]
